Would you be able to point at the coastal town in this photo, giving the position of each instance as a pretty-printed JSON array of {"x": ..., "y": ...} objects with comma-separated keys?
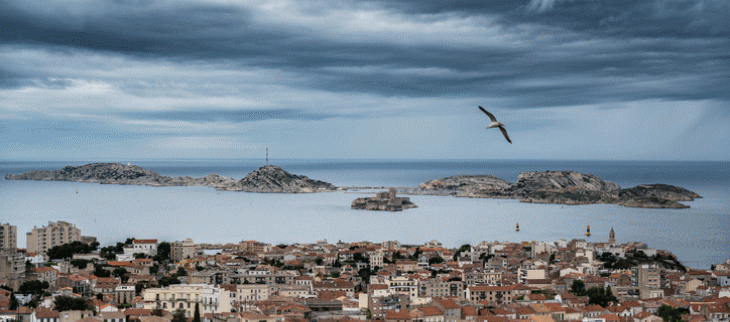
[{"x": 63, "y": 276}]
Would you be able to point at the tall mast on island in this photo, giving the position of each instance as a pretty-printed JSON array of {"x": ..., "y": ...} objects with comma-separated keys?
[{"x": 267, "y": 156}]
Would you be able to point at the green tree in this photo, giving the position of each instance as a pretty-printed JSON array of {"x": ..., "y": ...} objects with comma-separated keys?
[
  {"x": 67, "y": 303},
  {"x": 80, "y": 263},
  {"x": 167, "y": 280},
  {"x": 417, "y": 253},
  {"x": 181, "y": 271},
  {"x": 335, "y": 274},
  {"x": 670, "y": 314},
  {"x": 100, "y": 271},
  {"x": 196, "y": 314},
  {"x": 157, "y": 312},
  {"x": 163, "y": 250},
  {"x": 369, "y": 315},
  {"x": 67, "y": 250},
  {"x": 179, "y": 316},
  {"x": 119, "y": 271},
  {"x": 601, "y": 296},
  {"x": 34, "y": 287},
  {"x": 435, "y": 260},
  {"x": 578, "y": 288},
  {"x": 13, "y": 302}
]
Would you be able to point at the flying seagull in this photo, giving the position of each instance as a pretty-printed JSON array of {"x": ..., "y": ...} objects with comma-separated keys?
[{"x": 496, "y": 124}]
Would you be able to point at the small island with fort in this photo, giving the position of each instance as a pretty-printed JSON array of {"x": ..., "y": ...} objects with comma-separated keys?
[{"x": 386, "y": 201}]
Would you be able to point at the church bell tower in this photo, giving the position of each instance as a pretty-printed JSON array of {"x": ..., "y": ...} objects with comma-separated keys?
[{"x": 612, "y": 237}]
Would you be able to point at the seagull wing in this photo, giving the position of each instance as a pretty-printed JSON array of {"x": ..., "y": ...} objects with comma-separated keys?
[
  {"x": 504, "y": 131},
  {"x": 491, "y": 117}
]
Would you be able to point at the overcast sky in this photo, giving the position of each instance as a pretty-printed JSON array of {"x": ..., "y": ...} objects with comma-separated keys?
[{"x": 343, "y": 79}]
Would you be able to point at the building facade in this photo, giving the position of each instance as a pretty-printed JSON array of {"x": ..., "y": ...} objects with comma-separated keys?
[
  {"x": 436, "y": 287},
  {"x": 182, "y": 249},
  {"x": 8, "y": 237},
  {"x": 40, "y": 240},
  {"x": 650, "y": 279},
  {"x": 210, "y": 299}
]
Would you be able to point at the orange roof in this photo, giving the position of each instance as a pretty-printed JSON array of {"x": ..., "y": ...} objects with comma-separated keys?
[
  {"x": 469, "y": 311},
  {"x": 145, "y": 241},
  {"x": 447, "y": 304},
  {"x": 393, "y": 315},
  {"x": 43, "y": 269},
  {"x": 594, "y": 308},
  {"x": 430, "y": 310}
]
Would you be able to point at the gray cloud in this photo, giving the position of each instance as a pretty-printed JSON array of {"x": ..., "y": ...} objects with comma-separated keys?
[
  {"x": 590, "y": 51},
  {"x": 235, "y": 116}
]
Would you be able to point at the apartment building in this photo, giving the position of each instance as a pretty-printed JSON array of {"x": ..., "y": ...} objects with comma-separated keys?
[
  {"x": 482, "y": 277},
  {"x": 650, "y": 279},
  {"x": 40, "y": 240},
  {"x": 183, "y": 249},
  {"x": 8, "y": 237},
  {"x": 494, "y": 294},
  {"x": 437, "y": 287}
]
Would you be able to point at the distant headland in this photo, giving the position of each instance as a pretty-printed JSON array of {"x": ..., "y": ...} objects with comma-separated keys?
[
  {"x": 271, "y": 179},
  {"x": 558, "y": 187}
]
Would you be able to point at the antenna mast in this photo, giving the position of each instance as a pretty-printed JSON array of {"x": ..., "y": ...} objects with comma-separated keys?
[{"x": 267, "y": 156}]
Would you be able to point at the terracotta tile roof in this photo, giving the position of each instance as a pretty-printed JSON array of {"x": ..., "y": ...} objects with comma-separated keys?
[
  {"x": 501, "y": 311},
  {"x": 609, "y": 317},
  {"x": 448, "y": 304},
  {"x": 630, "y": 304},
  {"x": 594, "y": 308},
  {"x": 430, "y": 310},
  {"x": 526, "y": 310},
  {"x": 253, "y": 316},
  {"x": 393, "y": 315},
  {"x": 469, "y": 311},
  {"x": 137, "y": 312},
  {"x": 492, "y": 318},
  {"x": 145, "y": 241},
  {"x": 43, "y": 269},
  {"x": 46, "y": 314}
]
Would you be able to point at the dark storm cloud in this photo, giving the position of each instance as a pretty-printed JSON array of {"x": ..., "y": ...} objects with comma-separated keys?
[
  {"x": 630, "y": 18},
  {"x": 554, "y": 52}
]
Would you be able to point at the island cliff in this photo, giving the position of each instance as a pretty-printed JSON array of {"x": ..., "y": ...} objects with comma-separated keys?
[
  {"x": 561, "y": 187},
  {"x": 274, "y": 179},
  {"x": 265, "y": 179}
]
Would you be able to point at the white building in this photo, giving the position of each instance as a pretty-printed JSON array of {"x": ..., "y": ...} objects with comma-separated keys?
[{"x": 210, "y": 299}]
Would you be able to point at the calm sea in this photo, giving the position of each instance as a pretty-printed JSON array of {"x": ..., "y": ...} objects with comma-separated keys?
[{"x": 699, "y": 236}]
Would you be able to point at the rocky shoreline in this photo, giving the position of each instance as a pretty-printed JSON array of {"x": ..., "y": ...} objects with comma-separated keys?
[
  {"x": 557, "y": 187},
  {"x": 267, "y": 179}
]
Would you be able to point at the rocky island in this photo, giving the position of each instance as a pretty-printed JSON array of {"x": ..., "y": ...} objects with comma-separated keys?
[
  {"x": 386, "y": 201},
  {"x": 265, "y": 179},
  {"x": 561, "y": 187}
]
